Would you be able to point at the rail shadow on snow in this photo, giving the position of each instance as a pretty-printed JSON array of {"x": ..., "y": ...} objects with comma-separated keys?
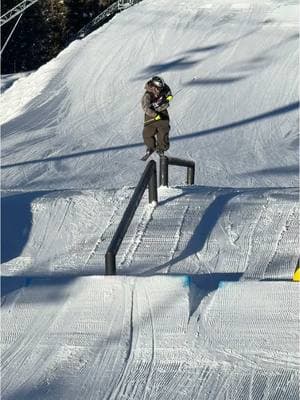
[
  {"x": 54, "y": 387},
  {"x": 43, "y": 289},
  {"x": 12, "y": 283},
  {"x": 284, "y": 170},
  {"x": 236, "y": 124},
  {"x": 202, "y": 231},
  {"x": 16, "y": 222}
]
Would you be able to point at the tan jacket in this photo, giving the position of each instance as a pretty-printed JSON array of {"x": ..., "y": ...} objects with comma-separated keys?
[{"x": 154, "y": 102}]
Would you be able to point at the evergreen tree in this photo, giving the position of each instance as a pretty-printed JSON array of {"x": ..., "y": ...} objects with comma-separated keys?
[
  {"x": 44, "y": 30},
  {"x": 80, "y": 12},
  {"x": 37, "y": 37}
]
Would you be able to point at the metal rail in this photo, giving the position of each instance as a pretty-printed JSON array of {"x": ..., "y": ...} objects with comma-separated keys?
[
  {"x": 109, "y": 12},
  {"x": 122, "y": 4},
  {"x": 148, "y": 179},
  {"x": 164, "y": 163},
  {"x": 96, "y": 22},
  {"x": 18, "y": 9}
]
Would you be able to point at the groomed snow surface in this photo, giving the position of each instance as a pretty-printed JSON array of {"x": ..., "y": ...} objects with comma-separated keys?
[{"x": 203, "y": 307}]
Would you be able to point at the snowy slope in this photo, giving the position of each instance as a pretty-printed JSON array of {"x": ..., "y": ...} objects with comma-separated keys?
[
  {"x": 193, "y": 230},
  {"x": 233, "y": 67},
  {"x": 138, "y": 338},
  {"x": 205, "y": 307}
]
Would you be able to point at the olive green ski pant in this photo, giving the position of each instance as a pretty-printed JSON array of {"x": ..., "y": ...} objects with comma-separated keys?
[{"x": 156, "y": 135}]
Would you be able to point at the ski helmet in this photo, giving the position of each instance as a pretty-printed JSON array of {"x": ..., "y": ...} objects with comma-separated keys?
[{"x": 157, "y": 81}]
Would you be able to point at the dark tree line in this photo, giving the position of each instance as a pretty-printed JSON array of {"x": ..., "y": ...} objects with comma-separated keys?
[{"x": 44, "y": 30}]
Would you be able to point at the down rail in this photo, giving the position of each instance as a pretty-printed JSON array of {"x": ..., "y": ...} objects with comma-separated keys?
[{"x": 148, "y": 179}]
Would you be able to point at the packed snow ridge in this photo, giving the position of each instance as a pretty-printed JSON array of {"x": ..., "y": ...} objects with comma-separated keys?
[{"x": 203, "y": 306}]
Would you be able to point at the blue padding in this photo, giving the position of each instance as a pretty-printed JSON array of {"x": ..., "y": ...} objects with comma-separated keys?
[{"x": 186, "y": 281}]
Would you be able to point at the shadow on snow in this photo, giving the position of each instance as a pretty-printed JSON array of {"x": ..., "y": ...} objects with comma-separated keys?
[
  {"x": 202, "y": 231},
  {"x": 270, "y": 114},
  {"x": 16, "y": 217}
]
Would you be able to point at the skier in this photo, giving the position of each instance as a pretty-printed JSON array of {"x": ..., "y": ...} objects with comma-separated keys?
[{"x": 155, "y": 102}]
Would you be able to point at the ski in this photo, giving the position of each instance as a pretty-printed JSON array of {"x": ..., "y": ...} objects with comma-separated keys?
[{"x": 147, "y": 155}]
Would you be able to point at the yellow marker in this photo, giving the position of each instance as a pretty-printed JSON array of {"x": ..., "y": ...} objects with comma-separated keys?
[
  {"x": 169, "y": 98},
  {"x": 296, "y": 277}
]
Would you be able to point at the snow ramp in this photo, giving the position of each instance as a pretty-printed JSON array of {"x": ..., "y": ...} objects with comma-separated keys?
[
  {"x": 204, "y": 307},
  {"x": 232, "y": 67},
  {"x": 149, "y": 338},
  {"x": 183, "y": 331},
  {"x": 193, "y": 230}
]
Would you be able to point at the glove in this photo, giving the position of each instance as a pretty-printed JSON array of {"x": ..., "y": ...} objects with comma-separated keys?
[
  {"x": 158, "y": 103},
  {"x": 169, "y": 98},
  {"x": 157, "y": 118}
]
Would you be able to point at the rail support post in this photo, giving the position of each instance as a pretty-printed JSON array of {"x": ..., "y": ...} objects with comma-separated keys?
[
  {"x": 190, "y": 175},
  {"x": 164, "y": 163},
  {"x": 153, "y": 186},
  {"x": 110, "y": 264},
  {"x": 164, "y": 171}
]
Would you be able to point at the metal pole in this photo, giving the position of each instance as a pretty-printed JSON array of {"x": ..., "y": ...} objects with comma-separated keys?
[
  {"x": 190, "y": 175},
  {"x": 153, "y": 186},
  {"x": 10, "y": 35},
  {"x": 164, "y": 171},
  {"x": 110, "y": 263},
  {"x": 18, "y": 9}
]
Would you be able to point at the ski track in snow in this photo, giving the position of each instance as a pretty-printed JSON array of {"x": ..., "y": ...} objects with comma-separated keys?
[
  {"x": 204, "y": 308},
  {"x": 127, "y": 337},
  {"x": 144, "y": 344},
  {"x": 231, "y": 139},
  {"x": 192, "y": 230}
]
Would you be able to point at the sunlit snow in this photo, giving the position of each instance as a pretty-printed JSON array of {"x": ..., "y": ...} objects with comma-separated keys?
[{"x": 203, "y": 307}]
